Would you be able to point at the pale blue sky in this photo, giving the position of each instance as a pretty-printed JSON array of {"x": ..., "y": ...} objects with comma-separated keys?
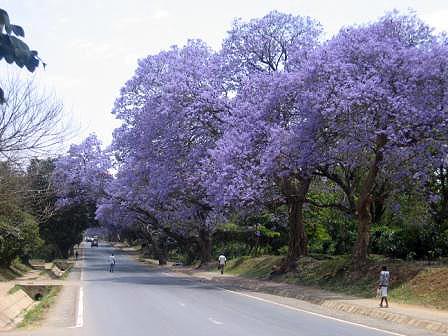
[{"x": 92, "y": 46}]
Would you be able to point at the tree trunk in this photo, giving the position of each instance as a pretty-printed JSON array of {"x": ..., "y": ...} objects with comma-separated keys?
[
  {"x": 361, "y": 249},
  {"x": 295, "y": 191},
  {"x": 162, "y": 254},
  {"x": 205, "y": 246},
  {"x": 298, "y": 241},
  {"x": 190, "y": 251},
  {"x": 162, "y": 259}
]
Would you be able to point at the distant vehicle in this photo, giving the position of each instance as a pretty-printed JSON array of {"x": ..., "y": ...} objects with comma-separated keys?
[
  {"x": 88, "y": 239},
  {"x": 94, "y": 242}
]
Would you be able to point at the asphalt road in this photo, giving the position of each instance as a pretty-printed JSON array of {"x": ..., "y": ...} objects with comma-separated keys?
[{"x": 138, "y": 300}]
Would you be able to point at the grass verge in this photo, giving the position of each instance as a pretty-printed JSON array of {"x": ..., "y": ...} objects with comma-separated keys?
[
  {"x": 35, "y": 315},
  {"x": 14, "y": 289},
  {"x": 67, "y": 271},
  {"x": 411, "y": 282},
  {"x": 15, "y": 270}
]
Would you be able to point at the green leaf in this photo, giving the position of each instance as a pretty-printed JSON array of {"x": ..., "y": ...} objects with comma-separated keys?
[
  {"x": 2, "y": 97},
  {"x": 13, "y": 49},
  {"x": 4, "y": 19},
  {"x": 18, "y": 31},
  {"x": 9, "y": 59}
]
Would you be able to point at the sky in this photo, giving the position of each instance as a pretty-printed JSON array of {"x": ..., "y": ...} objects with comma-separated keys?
[{"x": 91, "y": 47}]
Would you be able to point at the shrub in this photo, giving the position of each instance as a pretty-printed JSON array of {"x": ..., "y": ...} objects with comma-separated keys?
[{"x": 19, "y": 236}]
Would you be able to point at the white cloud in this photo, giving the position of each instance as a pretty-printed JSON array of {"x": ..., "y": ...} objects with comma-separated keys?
[
  {"x": 83, "y": 44},
  {"x": 63, "y": 19},
  {"x": 131, "y": 19},
  {"x": 160, "y": 14},
  {"x": 62, "y": 82},
  {"x": 131, "y": 59},
  {"x": 437, "y": 19}
]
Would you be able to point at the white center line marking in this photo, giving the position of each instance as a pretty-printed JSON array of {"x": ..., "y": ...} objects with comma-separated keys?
[
  {"x": 80, "y": 315},
  {"x": 212, "y": 320},
  {"x": 312, "y": 313}
]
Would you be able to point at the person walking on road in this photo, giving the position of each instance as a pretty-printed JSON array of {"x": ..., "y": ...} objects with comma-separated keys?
[
  {"x": 383, "y": 285},
  {"x": 112, "y": 263},
  {"x": 222, "y": 262},
  {"x": 76, "y": 255}
]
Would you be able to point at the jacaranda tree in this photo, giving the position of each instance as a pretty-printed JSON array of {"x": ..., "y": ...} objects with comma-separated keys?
[
  {"x": 257, "y": 161},
  {"x": 386, "y": 105},
  {"x": 172, "y": 114}
]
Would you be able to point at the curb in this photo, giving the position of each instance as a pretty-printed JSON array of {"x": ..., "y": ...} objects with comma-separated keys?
[{"x": 384, "y": 315}]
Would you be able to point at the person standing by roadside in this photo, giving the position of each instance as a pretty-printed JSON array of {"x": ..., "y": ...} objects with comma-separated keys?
[
  {"x": 112, "y": 262},
  {"x": 383, "y": 285},
  {"x": 222, "y": 262}
]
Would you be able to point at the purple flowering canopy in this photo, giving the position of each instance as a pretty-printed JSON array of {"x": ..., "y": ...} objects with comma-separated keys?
[
  {"x": 82, "y": 175},
  {"x": 207, "y": 134},
  {"x": 172, "y": 113}
]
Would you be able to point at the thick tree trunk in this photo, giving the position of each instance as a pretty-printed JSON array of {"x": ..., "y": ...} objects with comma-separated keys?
[
  {"x": 295, "y": 191},
  {"x": 155, "y": 242},
  {"x": 162, "y": 254},
  {"x": 162, "y": 259},
  {"x": 190, "y": 251},
  {"x": 298, "y": 241},
  {"x": 158, "y": 251},
  {"x": 440, "y": 208},
  {"x": 205, "y": 246},
  {"x": 361, "y": 249}
]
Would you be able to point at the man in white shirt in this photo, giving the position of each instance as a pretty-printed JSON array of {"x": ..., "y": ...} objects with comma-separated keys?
[
  {"x": 383, "y": 285},
  {"x": 112, "y": 262},
  {"x": 221, "y": 262}
]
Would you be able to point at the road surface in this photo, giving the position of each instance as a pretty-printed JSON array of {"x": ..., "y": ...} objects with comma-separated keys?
[{"x": 138, "y": 300}]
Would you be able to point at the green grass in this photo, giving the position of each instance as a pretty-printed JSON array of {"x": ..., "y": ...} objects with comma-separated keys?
[
  {"x": 403, "y": 294},
  {"x": 411, "y": 282},
  {"x": 67, "y": 271},
  {"x": 7, "y": 274},
  {"x": 428, "y": 288},
  {"x": 259, "y": 267},
  {"x": 15, "y": 270},
  {"x": 37, "y": 313},
  {"x": 20, "y": 267},
  {"x": 63, "y": 264},
  {"x": 14, "y": 289}
]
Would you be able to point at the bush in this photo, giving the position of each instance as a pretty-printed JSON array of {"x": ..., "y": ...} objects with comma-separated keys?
[
  {"x": 19, "y": 236},
  {"x": 411, "y": 242}
]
